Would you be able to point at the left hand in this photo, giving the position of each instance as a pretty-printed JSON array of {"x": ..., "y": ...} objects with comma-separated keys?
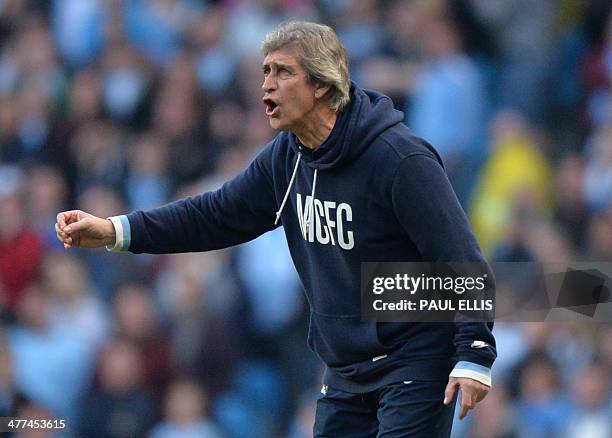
[{"x": 472, "y": 392}]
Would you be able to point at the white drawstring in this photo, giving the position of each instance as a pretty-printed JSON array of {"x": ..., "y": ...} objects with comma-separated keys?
[
  {"x": 280, "y": 210},
  {"x": 310, "y": 212},
  {"x": 311, "y": 209}
]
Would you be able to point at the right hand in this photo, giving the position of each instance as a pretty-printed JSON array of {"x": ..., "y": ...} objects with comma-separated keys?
[{"x": 77, "y": 228}]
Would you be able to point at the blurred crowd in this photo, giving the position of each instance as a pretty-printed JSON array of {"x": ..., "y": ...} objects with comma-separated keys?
[{"x": 110, "y": 106}]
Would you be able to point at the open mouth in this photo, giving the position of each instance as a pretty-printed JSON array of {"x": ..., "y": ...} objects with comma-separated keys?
[{"x": 271, "y": 107}]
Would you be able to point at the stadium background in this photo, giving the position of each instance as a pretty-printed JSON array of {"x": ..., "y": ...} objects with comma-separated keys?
[{"x": 110, "y": 106}]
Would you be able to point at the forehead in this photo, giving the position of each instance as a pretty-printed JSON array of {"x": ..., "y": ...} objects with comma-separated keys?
[{"x": 282, "y": 56}]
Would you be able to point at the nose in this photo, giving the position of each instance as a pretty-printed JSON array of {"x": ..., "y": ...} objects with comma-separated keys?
[{"x": 269, "y": 83}]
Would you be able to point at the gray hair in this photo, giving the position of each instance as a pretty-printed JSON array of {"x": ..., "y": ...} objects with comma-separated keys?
[{"x": 321, "y": 54}]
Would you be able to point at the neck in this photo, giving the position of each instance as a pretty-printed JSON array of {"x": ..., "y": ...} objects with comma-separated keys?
[{"x": 315, "y": 129}]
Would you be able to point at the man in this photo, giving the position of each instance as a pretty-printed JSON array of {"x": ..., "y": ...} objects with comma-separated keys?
[{"x": 349, "y": 183}]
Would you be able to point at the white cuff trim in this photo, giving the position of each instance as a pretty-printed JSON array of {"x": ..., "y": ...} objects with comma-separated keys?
[
  {"x": 118, "y": 246},
  {"x": 470, "y": 374}
]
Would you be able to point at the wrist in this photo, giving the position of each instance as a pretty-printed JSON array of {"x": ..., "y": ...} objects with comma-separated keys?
[
  {"x": 120, "y": 236},
  {"x": 472, "y": 371},
  {"x": 110, "y": 234}
]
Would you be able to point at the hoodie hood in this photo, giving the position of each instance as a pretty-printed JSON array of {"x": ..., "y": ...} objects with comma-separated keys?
[{"x": 368, "y": 114}]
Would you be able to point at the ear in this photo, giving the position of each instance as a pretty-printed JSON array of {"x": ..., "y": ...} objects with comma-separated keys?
[{"x": 321, "y": 90}]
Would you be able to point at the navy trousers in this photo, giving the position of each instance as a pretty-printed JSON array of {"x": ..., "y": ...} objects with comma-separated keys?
[{"x": 404, "y": 409}]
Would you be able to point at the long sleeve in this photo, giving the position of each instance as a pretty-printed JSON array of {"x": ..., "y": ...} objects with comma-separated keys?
[
  {"x": 428, "y": 209},
  {"x": 241, "y": 210}
]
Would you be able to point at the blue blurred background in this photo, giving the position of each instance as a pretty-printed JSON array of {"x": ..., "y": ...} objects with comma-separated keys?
[{"x": 110, "y": 106}]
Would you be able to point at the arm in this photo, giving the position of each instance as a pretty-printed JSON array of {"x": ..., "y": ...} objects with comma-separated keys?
[
  {"x": 239, "y": 211},
  {"x": 426, "y": 205}
]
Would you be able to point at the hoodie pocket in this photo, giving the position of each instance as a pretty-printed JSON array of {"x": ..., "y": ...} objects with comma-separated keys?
[{"x": 344, "y": 340}]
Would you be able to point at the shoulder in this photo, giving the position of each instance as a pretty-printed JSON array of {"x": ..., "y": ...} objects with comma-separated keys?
[
  {"x": 276, "y": 158},
  {"x": 278, "y": 147},
  {"x": 271, "y": 152},
  {"x": 399, "y": 143}
]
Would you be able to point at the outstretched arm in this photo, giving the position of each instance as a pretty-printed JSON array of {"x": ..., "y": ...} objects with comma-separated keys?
[{"x": 239, "y": 211}]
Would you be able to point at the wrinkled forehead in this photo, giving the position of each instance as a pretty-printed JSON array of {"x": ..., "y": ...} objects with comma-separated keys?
[{"x": 286, "y": 56}]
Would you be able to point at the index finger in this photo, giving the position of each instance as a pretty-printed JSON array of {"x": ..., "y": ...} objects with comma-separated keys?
[
  {"x": 464, "y": 410},
  {"x": 466, "y": 404},
  {"x": 61, "y": 220}
]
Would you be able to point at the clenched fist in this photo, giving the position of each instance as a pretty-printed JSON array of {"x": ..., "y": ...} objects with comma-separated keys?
[{"x": 77, "y": 228}]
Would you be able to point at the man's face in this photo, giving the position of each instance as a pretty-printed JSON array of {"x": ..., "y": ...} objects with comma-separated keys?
[{"x": 288, "y": 96}]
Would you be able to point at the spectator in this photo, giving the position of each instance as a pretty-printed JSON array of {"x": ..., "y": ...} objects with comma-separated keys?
[
  {"x": 515, "y": 178},
  {"x": 214, "y": 64},
  {"x": 524, "y": 34},
  {"x": 598, "y": 174},
  {"x": 598, "y": 76},
  {"x": 21, "y": 249},
  {"x": 198, "y": 296},
  {"x": 497, "y": 418},
  {"x": 570, "y": 205},
  {"x": 543, "y": 409},
  {"x": 96, "y": 147},
  {"x": 157, "y": 27},
  {"x": 75, "y": 310},
  {"x": 178, "y": 116},
  {"x": 78, "y": 29},
  {"x": 10, "y": 397},
  {"x": 592, "y": 396},
  {"x": 125, "y": 82},
  {"x": 50, "y": 368},
  {"x": 251, "y": 20},
  {"x": 185, "y": 413},
  {"x": 599, "y": 236},
  {"x": 148, "y": 182},
  {"x": 136, "y": 320},
  {"x": 359, "y": 29},
  {"x": 393, "y": 70},
  {"x": 31, "y": 411},
  {"x": 448, "y": 105},
  {"x": 47, "y": 191},
  {"x": 120, "y": 405}
]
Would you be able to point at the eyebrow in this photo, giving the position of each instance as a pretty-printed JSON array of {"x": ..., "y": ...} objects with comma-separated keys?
[{"x": 278, "y": 64}]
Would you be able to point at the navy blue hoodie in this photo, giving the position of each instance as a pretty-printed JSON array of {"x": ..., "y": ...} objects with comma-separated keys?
[{"x": 381, "y": 194}]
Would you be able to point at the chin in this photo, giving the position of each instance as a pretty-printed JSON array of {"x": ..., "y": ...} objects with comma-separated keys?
[{"x": 278, "y": 125}]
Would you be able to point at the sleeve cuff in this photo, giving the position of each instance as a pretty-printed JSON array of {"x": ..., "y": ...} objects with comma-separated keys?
[
  {"x": 472, "y": 370},
  {"x": 122, "y": 233}
]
